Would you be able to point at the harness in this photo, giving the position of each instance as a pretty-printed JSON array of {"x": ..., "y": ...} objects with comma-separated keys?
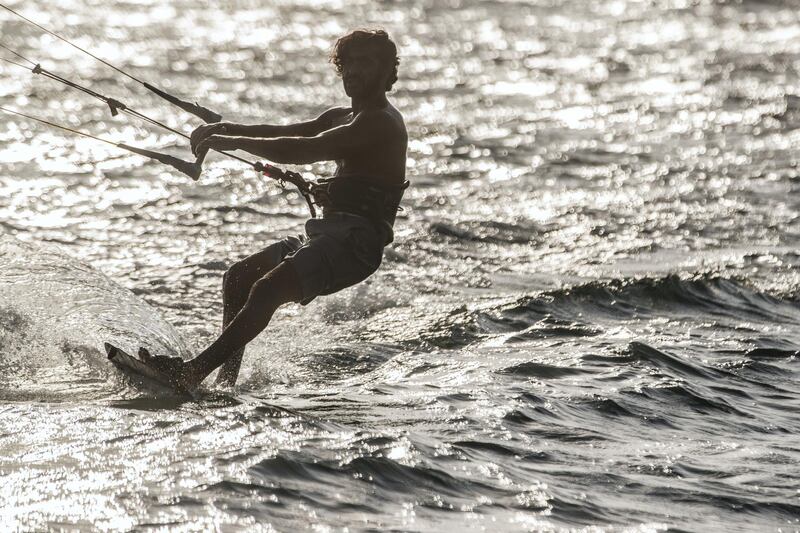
[
  {"x": 378, "y": 203},
  {"x": 363, "y": 197}
]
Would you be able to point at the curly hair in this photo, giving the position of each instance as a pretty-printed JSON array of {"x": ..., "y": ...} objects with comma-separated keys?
[{"x": 377, "y": 40}]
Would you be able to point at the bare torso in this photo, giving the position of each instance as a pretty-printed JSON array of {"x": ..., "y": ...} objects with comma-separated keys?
[{"x": 385, "y": 161}]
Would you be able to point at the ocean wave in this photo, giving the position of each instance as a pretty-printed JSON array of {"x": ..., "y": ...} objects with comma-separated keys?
[{"x": 588, "y": 310}]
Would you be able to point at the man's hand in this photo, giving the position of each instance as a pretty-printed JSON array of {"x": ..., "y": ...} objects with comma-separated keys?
[{"x": 204, "y": 131}]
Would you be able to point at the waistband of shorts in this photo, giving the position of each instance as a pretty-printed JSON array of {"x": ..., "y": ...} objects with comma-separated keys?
[{"x": 382, "y": 227}]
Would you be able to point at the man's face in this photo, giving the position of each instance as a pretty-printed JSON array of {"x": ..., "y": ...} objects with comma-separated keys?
[{"x": 362, "y": 73}]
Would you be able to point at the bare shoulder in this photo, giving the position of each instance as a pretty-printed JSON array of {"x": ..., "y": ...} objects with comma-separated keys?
[
  {"x": 332, "y": 115},
  {"x": 385, "y": 119}
]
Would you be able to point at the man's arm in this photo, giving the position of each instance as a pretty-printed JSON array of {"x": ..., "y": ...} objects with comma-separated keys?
[
  {"x": 336, "y": 143},
  {"x": 309, "y": 128}
]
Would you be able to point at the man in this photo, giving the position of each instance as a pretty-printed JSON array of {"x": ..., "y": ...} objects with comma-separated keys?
[{"x": 368, "y": 141}]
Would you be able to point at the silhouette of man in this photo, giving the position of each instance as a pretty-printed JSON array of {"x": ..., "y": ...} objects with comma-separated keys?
[{"x": 368, "y": 141}]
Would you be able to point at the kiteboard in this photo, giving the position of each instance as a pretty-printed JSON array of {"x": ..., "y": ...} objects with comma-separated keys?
[{"x": 138, "y": 369}]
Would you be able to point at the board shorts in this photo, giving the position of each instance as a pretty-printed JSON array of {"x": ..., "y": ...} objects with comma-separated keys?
[{"x": 337, "y": 251}]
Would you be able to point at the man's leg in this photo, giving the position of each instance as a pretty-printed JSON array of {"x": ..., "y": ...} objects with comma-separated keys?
[
  {"x": 281, "y": 285},
  {"x": 236, "y": 285}
]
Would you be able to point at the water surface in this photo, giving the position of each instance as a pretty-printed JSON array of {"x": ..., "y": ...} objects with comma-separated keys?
[{"x": 588, "y": 320}]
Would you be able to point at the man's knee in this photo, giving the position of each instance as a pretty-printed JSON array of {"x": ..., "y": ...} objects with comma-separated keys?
[
  {"x": 281, "y": 285},
  {"x": 234, "y": 278},
  {"x": 242, "y": 274}
]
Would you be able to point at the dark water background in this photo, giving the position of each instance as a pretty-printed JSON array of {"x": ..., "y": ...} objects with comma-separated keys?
[{"x": 589, "y": 320}]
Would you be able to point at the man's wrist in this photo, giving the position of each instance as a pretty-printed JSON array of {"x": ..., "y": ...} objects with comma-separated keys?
[{"x": 225, "y": 128}]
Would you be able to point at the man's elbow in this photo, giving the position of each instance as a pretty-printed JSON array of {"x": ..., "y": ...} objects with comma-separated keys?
[
  {"x": 298, "y": 159},
  {"x": 306, "y": 151},
  {"x": 285, "y": 158},
  {"x": 284, "y": 150}
]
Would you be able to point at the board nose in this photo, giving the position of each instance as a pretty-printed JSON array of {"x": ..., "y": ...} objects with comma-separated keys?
[{"x": 111, "y": 350}]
